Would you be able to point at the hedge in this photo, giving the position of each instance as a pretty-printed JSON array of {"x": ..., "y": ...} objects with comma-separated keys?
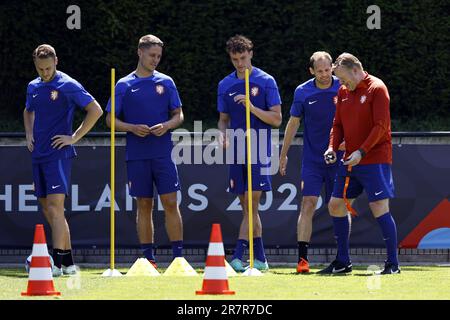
[{"x": 410, "y": 52}]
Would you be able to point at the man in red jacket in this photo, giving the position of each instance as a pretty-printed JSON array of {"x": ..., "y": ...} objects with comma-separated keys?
[{"x": 363, "y": 120}]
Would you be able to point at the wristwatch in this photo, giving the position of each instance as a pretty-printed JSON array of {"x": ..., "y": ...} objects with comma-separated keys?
[{"x": 363, "y": 153}]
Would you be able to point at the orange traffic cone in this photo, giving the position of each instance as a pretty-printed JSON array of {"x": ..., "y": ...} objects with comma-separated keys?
[
  {"x": 215, "y": 280},
  {"x": 40, "y": 279}
]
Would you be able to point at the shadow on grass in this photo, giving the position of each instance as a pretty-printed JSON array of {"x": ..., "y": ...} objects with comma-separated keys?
[
  {"x": 334, "y": 274},
  {"x": 13, "y": 273},
  {"x": 366, "y": 275},
  {"x": 292, "y": 273}
]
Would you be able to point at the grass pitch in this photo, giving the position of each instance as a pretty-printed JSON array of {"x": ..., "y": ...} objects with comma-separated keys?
[{"x": 415, "y": 282}]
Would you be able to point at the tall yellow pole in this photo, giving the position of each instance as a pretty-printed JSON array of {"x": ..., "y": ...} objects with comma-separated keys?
[
  {"x": 249, "y": 167},
  {"x": 112, "y": 182}
]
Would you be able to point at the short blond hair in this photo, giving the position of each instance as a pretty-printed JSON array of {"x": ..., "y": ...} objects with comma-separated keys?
[
  {"x": 44, "y": 51},
  {"x": 149, "y": 40},
  {"x": 348, "y": 61},
  {"x": 319, "y": 55}
]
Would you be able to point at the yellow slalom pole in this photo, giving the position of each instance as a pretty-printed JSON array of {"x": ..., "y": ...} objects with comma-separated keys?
[
  {"x": 249, "y": 167},
  {"x": 111, "y": 272},
  {"x": 112, "y": 182}
]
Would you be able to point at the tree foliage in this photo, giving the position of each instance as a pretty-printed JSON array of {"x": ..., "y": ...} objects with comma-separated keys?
[{"x": 410, "y": 52}]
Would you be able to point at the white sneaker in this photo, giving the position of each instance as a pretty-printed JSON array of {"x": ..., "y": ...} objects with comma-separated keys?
[
  {"x": 70, "y": 270},
  {"x": 57, "y": 272}
]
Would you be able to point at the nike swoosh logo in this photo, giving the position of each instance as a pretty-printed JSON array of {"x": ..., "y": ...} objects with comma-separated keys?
[
  {"x": 392, "y": 272},
  {"x": 339, "y": 270},
  {"x": 35, "y": 95},
  {"x": 344, "y": 99},
  {"x": 232, "y": 94},
  {"x": 311, "y": 102},
  {"x": 377, "y": 193},
  {"x": 54, "y": 187},
  {"x": 176, "y": 184},
  {"x": 262, "y": 184},
  {"x": 134, "y": 90}
]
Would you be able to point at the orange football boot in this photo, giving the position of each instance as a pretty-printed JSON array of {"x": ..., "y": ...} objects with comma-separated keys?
[
  {"x": 153, "y": 263},
  {"x": 303, "y": 266}
]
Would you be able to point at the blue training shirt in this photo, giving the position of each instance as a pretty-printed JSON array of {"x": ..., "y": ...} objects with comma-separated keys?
[
  {"x": 54, "y": 103},
  {"x": 263, "y": 94},
  {"x": 147, "y": 101},
  {"x": 317, "y": 108}
]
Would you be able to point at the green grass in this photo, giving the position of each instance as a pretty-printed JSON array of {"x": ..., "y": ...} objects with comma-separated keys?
[{"x": 415, "y": 282}]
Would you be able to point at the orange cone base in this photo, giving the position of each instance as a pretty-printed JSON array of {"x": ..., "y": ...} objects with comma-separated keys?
[
  {"x": 201, "y": 292},
  {"x": 214, "y": 287},
  {"x": 41, "y": 288},
  {"x": 46, "y": 293}
]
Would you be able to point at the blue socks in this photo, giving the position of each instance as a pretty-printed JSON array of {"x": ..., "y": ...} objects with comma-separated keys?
[
  {"x": 389, "y": 230},
  {"x": 342, "y": 235},
  {"x": 147, "y": 250},
  {"x": 241, "y": 246},
  {"x": 258, "y": 247},
  {"x": 177, "y": 249}
]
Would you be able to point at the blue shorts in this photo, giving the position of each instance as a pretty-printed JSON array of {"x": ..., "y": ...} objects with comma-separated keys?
[
  {"x": 314, "y": 176},
  {"x": 52, "y": 177},
  {"x": 238, "y": 178},
  {"x": 375, "y": 179},
  {"x": 142, "y": 174}
]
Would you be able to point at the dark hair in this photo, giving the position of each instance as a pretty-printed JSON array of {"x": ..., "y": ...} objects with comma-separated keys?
[
  {"x": 239, "y": 44},
  {"x": 44, "y": 51}
]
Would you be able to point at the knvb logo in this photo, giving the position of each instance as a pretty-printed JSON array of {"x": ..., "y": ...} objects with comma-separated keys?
[{"x": 54, "y": 95}]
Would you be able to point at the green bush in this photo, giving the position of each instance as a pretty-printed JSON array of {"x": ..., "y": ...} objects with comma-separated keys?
[{"x": 410, "y": 52}]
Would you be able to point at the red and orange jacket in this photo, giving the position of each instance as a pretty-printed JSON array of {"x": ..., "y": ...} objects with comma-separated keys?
[{"x": 363, "y": 120}]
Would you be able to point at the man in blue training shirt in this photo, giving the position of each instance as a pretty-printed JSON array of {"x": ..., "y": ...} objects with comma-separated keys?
[
  {"x": 147, "y": 107},
  {"x": 314, "y": 102},
  {"x": 265, "y": 108},
  {"x": 48, "y": 116}
]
